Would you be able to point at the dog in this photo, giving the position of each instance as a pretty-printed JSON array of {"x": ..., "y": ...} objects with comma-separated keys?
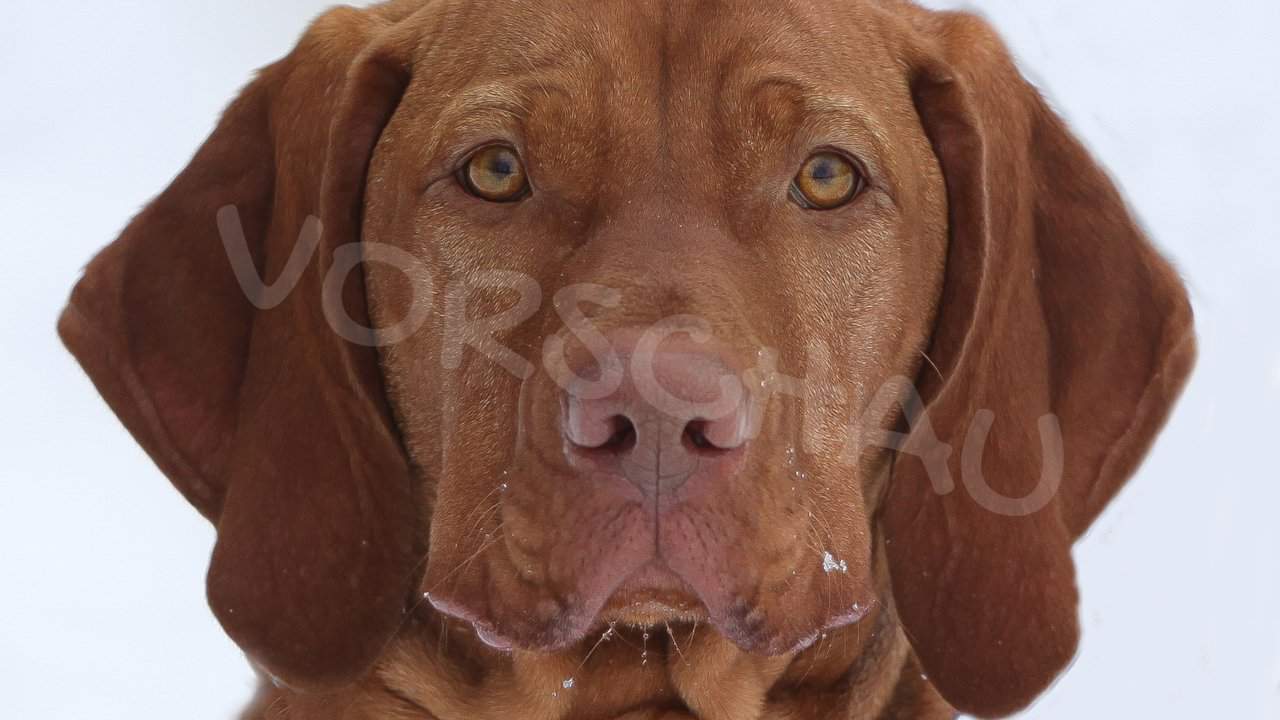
[{"x": 639, "y": 359}]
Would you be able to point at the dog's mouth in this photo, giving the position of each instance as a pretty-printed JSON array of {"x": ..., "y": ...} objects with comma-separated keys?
[{"x": 771, "y": 622}]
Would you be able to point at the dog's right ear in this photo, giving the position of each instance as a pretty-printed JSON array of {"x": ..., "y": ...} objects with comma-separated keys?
[{"x": 273, "y": 425}]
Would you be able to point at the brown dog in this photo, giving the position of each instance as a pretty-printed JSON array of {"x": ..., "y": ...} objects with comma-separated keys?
[{"x": 732, "y": 360}]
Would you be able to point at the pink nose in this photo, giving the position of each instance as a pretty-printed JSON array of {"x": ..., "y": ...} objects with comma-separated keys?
[{"x": 657, "y": 417}]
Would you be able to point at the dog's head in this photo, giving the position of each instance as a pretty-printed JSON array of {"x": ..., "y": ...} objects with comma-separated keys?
[{"x": 642, "y": 312}]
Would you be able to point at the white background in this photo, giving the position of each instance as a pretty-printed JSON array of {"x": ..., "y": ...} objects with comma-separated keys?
[{"x": 102, "y": 610}]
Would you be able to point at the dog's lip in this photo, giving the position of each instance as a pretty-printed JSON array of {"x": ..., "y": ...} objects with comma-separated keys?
[{"x": 653, "y": 595}]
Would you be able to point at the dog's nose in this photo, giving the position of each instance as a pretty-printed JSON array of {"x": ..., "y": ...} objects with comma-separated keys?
[{"x": 657, "y": 417}]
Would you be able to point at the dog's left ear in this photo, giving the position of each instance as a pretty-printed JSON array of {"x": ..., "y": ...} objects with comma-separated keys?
[
  {"x": 1063, "y": 333},
  {"x": 271, "y": 422}
]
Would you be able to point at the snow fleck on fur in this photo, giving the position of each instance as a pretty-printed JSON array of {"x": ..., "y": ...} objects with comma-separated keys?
[{"x": 830, "y": 564}]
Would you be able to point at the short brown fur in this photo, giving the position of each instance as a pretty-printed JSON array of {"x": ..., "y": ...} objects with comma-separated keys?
[{"x": 990, "y": 261}]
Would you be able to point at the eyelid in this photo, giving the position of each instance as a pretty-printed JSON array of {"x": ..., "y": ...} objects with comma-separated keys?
[
  {"x": 854, "y": 159},
  {"x": 458, "y": 159},
  {"x": 797, "y": 197}
]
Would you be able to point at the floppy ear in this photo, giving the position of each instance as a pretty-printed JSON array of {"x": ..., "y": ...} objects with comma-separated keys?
[
  {"x": 271, "y": 424},
  {"x": 1064, "y": 334}
]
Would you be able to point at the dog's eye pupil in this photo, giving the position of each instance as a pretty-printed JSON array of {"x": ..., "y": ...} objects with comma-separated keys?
[
  {"x": 496, "y": 174},
  {"x": 827, "y": 181},
  {"x": 823, "y": 172}
]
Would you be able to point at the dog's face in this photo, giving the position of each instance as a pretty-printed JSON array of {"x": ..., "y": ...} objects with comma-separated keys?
[
  {"x": 703, "y": 252},
  {"x": 765, "y": 315}
]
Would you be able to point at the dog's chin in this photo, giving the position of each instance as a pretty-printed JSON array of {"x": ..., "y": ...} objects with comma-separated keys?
[{"x": 653, "y": 596}]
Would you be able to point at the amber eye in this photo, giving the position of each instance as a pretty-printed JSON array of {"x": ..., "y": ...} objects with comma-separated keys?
[
  {"x": 827, "y": 181},
  {"x": 496, "y": 174}
]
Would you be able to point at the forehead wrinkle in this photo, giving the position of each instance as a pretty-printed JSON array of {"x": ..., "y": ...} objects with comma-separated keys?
[
  {"x": 815, "y": 100},
  {"x": 849, "y": 111},
  {"x": 506, "y": 97},
  {"x": 496, "y": 107},
  {"x": 769, "y": 81},
  {"x": 834, "y": 115}
]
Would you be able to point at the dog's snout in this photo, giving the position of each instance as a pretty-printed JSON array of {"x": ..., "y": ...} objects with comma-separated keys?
[{"x": 657, "y": 417}]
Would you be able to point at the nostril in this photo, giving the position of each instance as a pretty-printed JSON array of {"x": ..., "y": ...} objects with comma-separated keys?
[
  {"x": 623, "y": 437},
  {"x": 616, "y": 436},
  {"x": 695, "y": 437},
  {"x": 594, "y": 426}
]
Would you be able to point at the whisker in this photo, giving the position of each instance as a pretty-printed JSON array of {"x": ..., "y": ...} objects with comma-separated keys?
[
  {"x": 604, "y": 637},
  {"x": 813, "y": 661},
  {"x": 277, "y": 708},
  {"x": 442, "y": 646},
  {"x": 675, "y": 644},
  {"x": 497, "y": 537},
  {"x": 478, "y": 525},
  {"x": 932, "y": 364},
  {"x": 499, "y": 488}
]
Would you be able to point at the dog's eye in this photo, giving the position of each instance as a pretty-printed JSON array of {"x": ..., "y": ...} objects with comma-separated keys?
[
  {"x": 496, "y": 174},
  {"x": 827, "y": 181}
]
